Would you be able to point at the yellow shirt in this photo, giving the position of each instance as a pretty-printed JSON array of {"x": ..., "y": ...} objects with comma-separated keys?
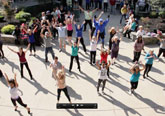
[{"x": 124, "y": 10}]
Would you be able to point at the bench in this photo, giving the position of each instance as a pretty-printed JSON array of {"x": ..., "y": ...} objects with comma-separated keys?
[
  {"x": 147, "y": 39},
  {"x": 8, "y": 38}
]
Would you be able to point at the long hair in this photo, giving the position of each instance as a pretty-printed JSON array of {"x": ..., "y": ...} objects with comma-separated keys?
[
  {"x": 138, "y": 39},
  {"x": 61, "y": 75},
  {"x": 12, "y": 81}
]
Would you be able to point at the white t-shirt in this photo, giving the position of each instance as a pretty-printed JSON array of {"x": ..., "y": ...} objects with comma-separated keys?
[
  {"x": 14, "y": 92},
  {"x": 103, "y": 73},
  {"x": 61, "y": 31},
  {"x": 93, "y": 45},
  {"x": 140, "y": 33}
]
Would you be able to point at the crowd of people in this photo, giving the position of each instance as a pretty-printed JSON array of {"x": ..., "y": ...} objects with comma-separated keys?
[{"x": 58, "y": 24}]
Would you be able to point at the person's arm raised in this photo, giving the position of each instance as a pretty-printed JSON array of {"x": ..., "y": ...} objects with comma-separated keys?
[
  {"x": 94, "y": 10},
  {"x": 97, "y": 64},
  {"x": 27, "y": 48},
  {"x": 99, "y": 15},
  {"x": 98, "y": 33},
  {"x": 109, "y": 63},
  {"x": 6, "y": 78},
  {"x": 41, "y": 33},
  {"x": 81, "y": 9},
  {"x": 49, "y": 31},
  {"x": 15, "y": 80},
  {"x": 90, "y": 38},
  {"x": 11, "y": 50}
]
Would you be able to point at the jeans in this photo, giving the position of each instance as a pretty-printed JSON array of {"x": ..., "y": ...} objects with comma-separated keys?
[
  {"x": 87, "y": 6},
  {"x": 19, "y": 100},
  {"x": 1, "y": 51},
  {"x": 27, "y": 67},
  {"x": 136, "y": 56},
  {"x": 105, "y": 6},
  {"x": 134, "y": 85},
  {"x": 71, "y": 62},
  {"x": 47, "y": 50},
  {"x": 82, "y": 42},
  {"x": 92, "y": 57},
  {"x": 123, "y": 15},
  {"x": 147, "y": 69},
  {"x": 101, "y": 36},
  {"x": 88, "y": 22},
  {"x": 128, "y": 33},
  {"x": 65, "y": 91},
  {"x": 99, "y": 83},
  {"x": 32, "y": 46},
  {"x": 161, "y": 51}
]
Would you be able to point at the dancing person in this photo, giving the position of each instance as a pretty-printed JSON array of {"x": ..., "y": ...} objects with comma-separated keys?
[
  {"x": 138, "y": 47},
  {"x": 55, "y": 65},
  {"x": 1, "y": 48},
  {"x": 115, "y": 48},
  {"x": 135, "y": 70},
  {"x": 62, "y": 36},
  {"x": 101, "y": 26},
  {"x": 113, "y": 3},
  {"x": 93, "y": 47},
  {"x": 69, "y": 27},
  {"x": 23, "y": 60},
  {"x": 74, "y": 54},
  {"x": 13, "y": 89},
  {"x": 162, "y": 45},
  {"x": 87, "y": 4},
  {"x": 100, "y": 4},
  {"x": 60, "y": 77},
  {"x": 88, "y": 17},
  {"x": 47, "y": 37},
  {"x": 105, "y": 5},
  {"x": 104, "y": 57},
  {"x": 112, "y": 32},
  {"x": 102, "y": 75},
  {"x": 32, "y": 40},
  {"x": 124, "y": 11},
  {"x": 79, "y": 34},
  {"x": 149, "y": 62},
  {"x": 76, "y": 11}
]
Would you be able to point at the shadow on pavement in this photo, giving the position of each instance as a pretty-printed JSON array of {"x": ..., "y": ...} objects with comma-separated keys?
[
  {"x": 121, "y": 105},
  {"x": 77, "y": 113},
  {"x": 158, "y": 108},
  {"x": 72, "y": 93}
]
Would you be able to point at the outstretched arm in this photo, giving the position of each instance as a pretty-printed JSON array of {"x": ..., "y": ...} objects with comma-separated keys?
[
  {"x": 12, "y": 50},
  {"x": 7, "y": 79},
  {"x": 35, "y": 29},
  {"x": 97, "y": 64},
  {"x": 27, "y": 48},
  {"x": 15, "y": 80},
  {"x": 159, "y": 39},
  {"x": 94, "y": 10},
  {"x": 109, "y": 63},
  {"x": 99, "y": 16},
  {"x": 90, "y": 38},
  {"x": 98, "y": 33},
  {"x": 81, "y": 9}
]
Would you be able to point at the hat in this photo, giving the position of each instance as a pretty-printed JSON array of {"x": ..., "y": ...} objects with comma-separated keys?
[{"x": 100, "y": 20}]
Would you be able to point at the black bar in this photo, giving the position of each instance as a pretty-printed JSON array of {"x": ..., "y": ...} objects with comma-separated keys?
[{"x": 76, "y": 106}]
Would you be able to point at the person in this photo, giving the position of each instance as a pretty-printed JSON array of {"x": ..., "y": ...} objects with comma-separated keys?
[
  {"x": 101, "y": 27},
  {"x": 149, "y": 57},
  {"x": 62, "y": 35},
  {"x": 69, "y": 28},
  {"x": 23, "y": 60},
  {"x": 69, "y": 4},
  {"x": 135, "y": 70},
  {"x": 93, "y": 47},
  {"x": 124, "y": 11},
  {"x": 88, "y": 17},
  {"x": 112, "y": 32},
  {"x": 79, "y": 34},
  {"x": 60, "y": 77},
  {"x": 1, "y": 48},
  {"x": 104, "y": 57},
  {"x": 115, "y": 48},
  {"x": 162, "y": 46},
  {"x": 55, "y": 65},
  {"x": 102, "y": 75},
  {"x": 17, "y": 34},
  {"x": 138, "y": 47},
  {"x": 32, "y": 40},
  {"x": 105, "y": 5},
  {"x": 47, "y": 41},
  {"x": 13, "y": 89},
  {"x": 74, "y": 54},
  {"x": 100, "y": 4},
  {"x": 76, "y": 11},
  {"x": 113, "y": 3},
  {"x": 87, "y": 4},
  {"x": 140, "y": 32}
]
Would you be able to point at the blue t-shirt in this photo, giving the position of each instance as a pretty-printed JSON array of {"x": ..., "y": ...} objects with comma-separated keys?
[
  {"x": 133, "y": 26},
  {"x": 74, "y": 51},
  {"x": 135, "y": 77},
  {"x": 31, "y": 38},
  {"x": 79, "y": 32},
  {"x": 149, "y": 60}
]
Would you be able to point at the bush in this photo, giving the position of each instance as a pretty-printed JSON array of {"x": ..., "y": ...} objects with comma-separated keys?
[
  {"x": 1, "y": 18},
  {"x": 162, "y": 14},
  {"x": 31, "y": 21},
  {"x": 153, "y": 14},
  {"x": 22, "y": 16},
  {"x": 8, "y": 29}
]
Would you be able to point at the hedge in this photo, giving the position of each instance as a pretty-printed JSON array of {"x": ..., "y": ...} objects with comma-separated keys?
[
  {"x": 8, "y": 29},
  {"x": 22, "y": 16}
]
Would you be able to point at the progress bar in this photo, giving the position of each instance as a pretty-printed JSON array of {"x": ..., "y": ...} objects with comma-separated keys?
[{"x": 76, "y": 106}]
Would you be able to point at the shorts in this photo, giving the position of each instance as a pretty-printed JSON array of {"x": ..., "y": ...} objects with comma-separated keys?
[
  {"x": 62, "y": 39},
  {"x": 69, "y": 33}
]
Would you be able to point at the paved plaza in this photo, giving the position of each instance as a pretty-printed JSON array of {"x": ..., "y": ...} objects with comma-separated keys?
[{"x": 41, "y": 94}]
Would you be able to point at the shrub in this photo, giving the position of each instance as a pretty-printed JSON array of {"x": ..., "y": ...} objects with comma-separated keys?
[
  {"x": 162, "y": 14},
  {"x": 8, "y": 29},
  {"x": 1, "y": 18},
  {"x": 22, "y": 16},
  {"x": 153, "y": 14}
]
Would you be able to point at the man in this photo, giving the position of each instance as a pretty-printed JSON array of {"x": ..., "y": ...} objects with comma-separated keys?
[
  {"x": 1, "y": 50},
  {"x": 47, "y": 41},
  {"x": 100, "y": 26},
  {"x": 88, "y": 17}
]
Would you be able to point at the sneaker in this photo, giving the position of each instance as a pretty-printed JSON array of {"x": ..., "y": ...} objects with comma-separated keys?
[
  {"x": 130, "y": 92},
  {"x": 144, "y": 77},
  {"x": 46, "y": 60},
  {"x": 60, "y": 50},
  {"x": 79, "y": 70},
  {"x": 103, "y": 93},
  {"x": 31, "y": 78},
  {"x": 70, "y": 71},
  {"x": 34, "y": 54},
  {"x": 148, "y": 75},
  {"x": 98, "y": 93}
]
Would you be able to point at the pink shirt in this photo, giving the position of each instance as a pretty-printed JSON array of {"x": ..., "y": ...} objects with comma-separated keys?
[{"x": 69, "y": 27}]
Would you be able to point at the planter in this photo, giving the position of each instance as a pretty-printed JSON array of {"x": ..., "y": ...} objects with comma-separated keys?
[{"x": 1, "y": 18}]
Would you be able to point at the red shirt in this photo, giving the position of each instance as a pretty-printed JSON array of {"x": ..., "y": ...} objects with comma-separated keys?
[
  {"x": 22, "y": 58},
  {"x": 104, "y": 57},
  {"x": 112, "y": 2}
]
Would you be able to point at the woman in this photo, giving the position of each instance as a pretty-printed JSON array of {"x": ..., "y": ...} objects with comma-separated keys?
[
  {"x": 23, "y": 60},
  {"x": 135, "y": 70},
  {"x": 62, "y": 85},
  {"x": 102, "y": 74},
  {"x": 1, "y": 48},
  {"x": 138, "y": 47},
  {"x": 54, "y": 30},
  {"x": 93, "y": 47},
  {"x": 69, "y": 28},
  {"x": 149, "y": 62},
  {"x": 112, "y": 32},
  {"x": 162, "y": 46},
  {"x": 115, "y": 48},
  {"x": 13, "y": 89}
]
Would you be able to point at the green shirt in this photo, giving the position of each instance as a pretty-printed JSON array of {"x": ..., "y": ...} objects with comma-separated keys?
[
  {"x": 74, "y": 51},
  {"x": 88, "y": 15}
]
